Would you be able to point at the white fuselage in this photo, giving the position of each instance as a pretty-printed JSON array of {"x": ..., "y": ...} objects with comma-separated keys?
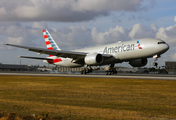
[{"x": 122, "y": 51}]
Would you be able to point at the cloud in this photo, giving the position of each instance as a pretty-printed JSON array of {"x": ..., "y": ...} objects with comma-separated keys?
[
  {"x": 18, "y": 33},
  {"x": 168, "y": 34},
  {"x": 65, "y": 10},
  {"x": 153, "y": 27},
  {"x": 175, "y": 19},
  {"x": 174, "y": 56},
  {"x": 141, "y": 31},
  {"x": 73, "y": 37},
  {"x": 113, "y": 35}
]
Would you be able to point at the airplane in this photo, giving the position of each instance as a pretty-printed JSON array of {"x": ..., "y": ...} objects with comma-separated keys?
[{"x": 135, "y": 52}]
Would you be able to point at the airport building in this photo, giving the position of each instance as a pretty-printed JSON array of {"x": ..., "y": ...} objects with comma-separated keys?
[
  {"x": 66, "y": 69},
  {"x": 170, "y": 67},
  {"x": 12, "y": 67}
]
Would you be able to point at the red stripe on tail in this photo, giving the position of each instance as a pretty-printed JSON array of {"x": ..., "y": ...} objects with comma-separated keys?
[
  {"x": 48, "y": 42},
  {"x": 50, "y": 48},
  {"x": 45, "y": 36}
]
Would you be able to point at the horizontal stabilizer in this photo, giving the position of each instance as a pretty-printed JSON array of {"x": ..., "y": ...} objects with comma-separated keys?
[{"x": 39, "y": 58}]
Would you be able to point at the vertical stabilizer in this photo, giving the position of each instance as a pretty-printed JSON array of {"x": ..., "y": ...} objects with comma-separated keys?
[{"x": 50, "y": 43}]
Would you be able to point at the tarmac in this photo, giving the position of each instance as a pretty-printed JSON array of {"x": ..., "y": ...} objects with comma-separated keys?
[{"x": 119, "y": 75}]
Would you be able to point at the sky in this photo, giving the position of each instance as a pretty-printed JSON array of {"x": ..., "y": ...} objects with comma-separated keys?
[{"x": 78, "y": 24}]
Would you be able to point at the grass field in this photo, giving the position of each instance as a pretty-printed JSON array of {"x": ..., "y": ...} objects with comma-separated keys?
[{"x": 87, "y": 98}]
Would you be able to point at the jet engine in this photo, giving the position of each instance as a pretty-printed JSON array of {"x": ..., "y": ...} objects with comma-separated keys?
[
  {"x": 93, "y": 59},
  {"x": 138, "y": 62}
]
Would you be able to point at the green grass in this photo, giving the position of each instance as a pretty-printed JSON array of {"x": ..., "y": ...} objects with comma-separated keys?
[{"x": 88, "y": 98}]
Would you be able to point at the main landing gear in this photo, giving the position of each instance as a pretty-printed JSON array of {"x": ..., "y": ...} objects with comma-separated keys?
[
  {"x": 86, "y": 70},
  {"x": 111, "y": 70}
]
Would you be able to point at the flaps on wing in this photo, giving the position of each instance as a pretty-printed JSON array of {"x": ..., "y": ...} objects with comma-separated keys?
[
  {"x": 59, "y": 53},
  {"x": 39, "y": 58}
]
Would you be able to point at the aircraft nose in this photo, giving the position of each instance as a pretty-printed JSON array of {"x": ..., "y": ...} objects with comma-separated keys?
[
  {"x": 167, "y": 47},
  {"x": 163, "y": 47}
]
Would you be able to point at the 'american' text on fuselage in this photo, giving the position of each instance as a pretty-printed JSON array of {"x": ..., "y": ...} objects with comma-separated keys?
[{"x": 122, "y": 48}]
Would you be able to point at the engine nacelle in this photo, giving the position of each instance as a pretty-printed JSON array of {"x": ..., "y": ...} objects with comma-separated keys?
[
  {"x": 138, "y": 62},
  {"x": 93, "y": 59}
]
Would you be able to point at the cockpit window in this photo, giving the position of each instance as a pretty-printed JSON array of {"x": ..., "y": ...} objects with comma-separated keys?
[{"x": 161, "y": 42}]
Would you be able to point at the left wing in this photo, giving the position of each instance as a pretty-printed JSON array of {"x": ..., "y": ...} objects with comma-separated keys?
[{"x": 59, "y": 53}]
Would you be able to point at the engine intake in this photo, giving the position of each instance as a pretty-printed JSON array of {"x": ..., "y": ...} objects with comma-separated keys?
[
  {"x": 93, "y": 59},
  {"x": 138, "y": 62}
]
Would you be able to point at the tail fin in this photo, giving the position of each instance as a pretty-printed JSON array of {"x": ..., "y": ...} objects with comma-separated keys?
[{"x": 50, "y": 43}]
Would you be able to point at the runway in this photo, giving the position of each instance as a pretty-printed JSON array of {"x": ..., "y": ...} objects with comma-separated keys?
[{"x": 120, "y": 75}]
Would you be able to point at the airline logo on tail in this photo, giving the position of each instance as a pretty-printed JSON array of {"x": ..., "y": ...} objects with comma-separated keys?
[{"x": 51, "y": 44}]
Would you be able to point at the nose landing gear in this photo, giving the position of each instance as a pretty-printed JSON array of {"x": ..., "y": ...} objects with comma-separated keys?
[
  {"x": 155, "y": 64},
  {"x": 155, "y": 59}
]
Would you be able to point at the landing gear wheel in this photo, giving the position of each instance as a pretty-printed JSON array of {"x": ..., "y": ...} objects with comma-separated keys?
[
  {"x": 84, "y": 72},
  {"x": 111, "y": 70},
  {"x": 115, "y": 72}
]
